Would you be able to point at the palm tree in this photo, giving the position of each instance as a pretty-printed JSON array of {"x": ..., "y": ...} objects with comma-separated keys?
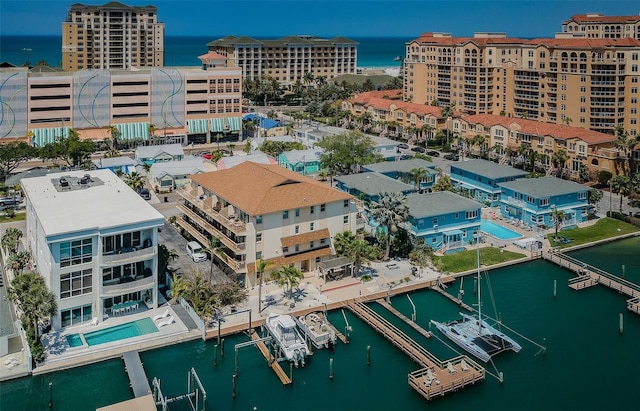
[
  {"x": 558, "y": 217},
  {"x": 115, "y": 136},
  {"x": 18, "y": 261},
  {"x": 417, "y": 175},
  {"x": 447, "y": 112},
  {"x": 135, "y": 181},
  {"x": 215, "y": 246},
  {"x": 11, "y": 239},
  {"x": 165, "y": 256},
  {"x": 625, "y": 143},
  {"x": 567, "y": 120},
  {"x": 481, "y": 142},
  {"x": 559, "y": 158},
  {"x": 622, "y": 185},
  {"x": 390, "y": 211},
  {"x": 261, "y": 265},
  {"x": 29, "y": 292},
  {"x": 356, "y": 249},
  {"x": 287, "y": 277}
]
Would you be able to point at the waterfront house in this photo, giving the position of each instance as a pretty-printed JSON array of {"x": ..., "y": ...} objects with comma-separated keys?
[
  {"x": 403, "y": 170},
  {"x": 445, "y": 220},
  {"x": 480, "y": 179},
  {"x": 304, "y": 162},
  {"x": 95, "y": 242},
  {"x": 368, "y": 186},
  {"x": 169, "y": 175},
  {"x": 264, "y": 211},
  {"x": 160, "y": 153},
  {"x": 533, "y": 200}
]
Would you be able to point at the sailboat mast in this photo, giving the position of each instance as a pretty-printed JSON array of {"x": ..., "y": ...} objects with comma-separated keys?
[{"x": 479, "y": 284}]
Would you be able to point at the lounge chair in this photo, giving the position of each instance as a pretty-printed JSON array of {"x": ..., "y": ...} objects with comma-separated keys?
[
  {"x": 464, "y": 365},
  {"x": 161, "y": 316},
  {"x": 427, "y": 381},
  {"x": 451, "y": 368},
  {"x": 168, "y": 321},
  {"x": 10, "y": 360},
  {"x": 94, "y": 321}
]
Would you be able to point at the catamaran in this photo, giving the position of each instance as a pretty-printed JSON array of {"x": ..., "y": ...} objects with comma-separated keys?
[
  {"x": 283, "y": 329},
  {"x": 475, "y": 335}
]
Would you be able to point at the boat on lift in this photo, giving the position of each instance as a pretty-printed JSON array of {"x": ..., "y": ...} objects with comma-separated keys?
[
  {"x": 315, "y": 326},
  {"x": 282, "y": 328}
]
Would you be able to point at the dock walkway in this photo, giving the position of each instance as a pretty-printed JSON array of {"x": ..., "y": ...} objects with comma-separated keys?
[
  {"x": 137, "y": 377},
  {"x": 398, "y": 314},
  {"x": 273, "y": 364},
  {"x": 452, "y": 298},
  {"x": 449, "y": 376},
  {"x": 589, "y": 276}
]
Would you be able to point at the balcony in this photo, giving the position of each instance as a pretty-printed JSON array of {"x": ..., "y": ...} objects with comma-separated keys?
[
  {"x": 513, "y": 201},
  {"x": 238, "y": 248},
  {"x": 216, "y": 212},
  {"x": 119, "y": 287},
  {"x": 127, "y": 256}
]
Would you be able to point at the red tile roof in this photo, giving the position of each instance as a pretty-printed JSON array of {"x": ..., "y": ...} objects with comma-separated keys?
[
  {"x": 212, "y": 55},
  {"x": 374, "y": 99},
  {"x": 429, "y": 38},
  {"x": 598, "y": 18},
  {"x": 538, "y": 128}
]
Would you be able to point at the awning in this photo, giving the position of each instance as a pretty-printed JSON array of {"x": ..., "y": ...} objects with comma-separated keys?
[
  {"x": 235, "y": 123},
  {"x": 451, "y": 233},
  {"x": 42, "y": 136},
  {"x": 133, "y": 131},
  {"x": 217, "y": 125},
  {"x": 199, "y": 126}
]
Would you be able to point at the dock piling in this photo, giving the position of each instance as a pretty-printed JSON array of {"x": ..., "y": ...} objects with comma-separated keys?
[
  {"x": 215, "y": 355},
  {"x": 555, "y": 288},
  {"x": 621, "y": 324},
  {"x": 291, "y": 371},
  {"x": 222, "y": 347},
  {"x": 50, "y": 395},
  {"x": 368, "y": 355},
  {"x": 331, "y": 368},
  {"x": 233, "y": 389}
]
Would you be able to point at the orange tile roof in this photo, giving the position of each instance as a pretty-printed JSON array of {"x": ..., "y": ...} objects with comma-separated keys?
[
  {"x": 305, "y": 238},
  {"x": 372, "y": 99},
  {"x": 594, "y": 18},
  {"x": 538, "y": 128},
  {"x": 286, "y": 260},
  {"x": 578, "y": 42},
  {"x": 267, "y": 188},
  {"x": 212, "y": 55}
]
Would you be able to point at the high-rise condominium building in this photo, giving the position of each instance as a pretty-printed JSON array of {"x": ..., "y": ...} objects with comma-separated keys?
[
  {"x": 112, "y": 36},
  {"x": 586, "y": 82},
  {"x": 596, "y": 25},
  {"x": 289, "y": 59}
]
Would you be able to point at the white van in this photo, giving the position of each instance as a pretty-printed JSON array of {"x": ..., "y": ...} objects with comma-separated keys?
[{"x": 195, "y": 252}]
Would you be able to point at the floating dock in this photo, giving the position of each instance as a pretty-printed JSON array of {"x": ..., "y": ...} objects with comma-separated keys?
[
  {"x": 449, "y": 376},
  {"x": 273, "y": 364},
  {"x": 398, "y": 314},
  {"x": 452, "y": 298},
  {"x": 589, "y": 276},
  {"x": 137, "y": 377}
]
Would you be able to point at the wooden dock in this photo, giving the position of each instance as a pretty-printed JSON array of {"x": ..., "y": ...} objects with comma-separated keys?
[
  {"x": 398, "y": 314},
  {"x": 137, "y": 377},
  {"x": 452, "y": 298},
  {"x": 589, "y": 276},
  {"x": 464, "y": 371},
  {"x": 273, "y": 364},
  {"x": 340, "y": 336}
]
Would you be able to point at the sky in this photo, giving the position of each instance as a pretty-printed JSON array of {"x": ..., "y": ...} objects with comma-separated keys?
[{"x": 355, "y": 18}]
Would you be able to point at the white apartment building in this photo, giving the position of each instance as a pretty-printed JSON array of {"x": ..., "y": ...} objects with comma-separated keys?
[
  {"x": 264, "y": 211},
  {"x": 95, "y": 241}
]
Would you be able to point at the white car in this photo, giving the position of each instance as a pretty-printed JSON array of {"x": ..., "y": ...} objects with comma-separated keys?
[{"x": 195, "y": 251}]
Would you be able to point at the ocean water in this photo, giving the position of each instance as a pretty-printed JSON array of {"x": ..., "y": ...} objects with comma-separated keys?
[
  {"x": 588, "y": 364},
  {"x": 184, "y": 51}
]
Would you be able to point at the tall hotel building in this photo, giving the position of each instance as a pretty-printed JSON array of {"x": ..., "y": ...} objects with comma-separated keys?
[
  {"x": 288, "y": 59},
  {"x": 585, "y": 82},
  {"x": 112, "y": 36},
  {"x": 599, "y": 26}
]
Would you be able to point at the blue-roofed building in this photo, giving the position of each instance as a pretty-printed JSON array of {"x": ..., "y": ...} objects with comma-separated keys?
[
  {"x": 368, "y": 186},
  {"x": 532, "y": 200},
  {"x": 446, "y": 221},
  {"x": 403, "y": 170},
  {"x": 304, "y": 162},
  {"x": 159, "y": 154},
  {"x": 480, "y": 179},
  {"x": 121, "y": 164}
]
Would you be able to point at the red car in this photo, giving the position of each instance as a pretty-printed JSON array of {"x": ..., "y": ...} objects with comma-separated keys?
[{"x": 208, "y": 156}]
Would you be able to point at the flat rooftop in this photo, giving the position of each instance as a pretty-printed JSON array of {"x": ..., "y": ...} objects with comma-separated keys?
[
  {"x": 487, "y": 169},
  {"x": 104, "y": 202},
  {"x": 373, "y": 183}
]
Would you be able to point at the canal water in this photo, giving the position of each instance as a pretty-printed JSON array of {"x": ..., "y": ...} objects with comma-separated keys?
[{"x": 588, "y": 364}]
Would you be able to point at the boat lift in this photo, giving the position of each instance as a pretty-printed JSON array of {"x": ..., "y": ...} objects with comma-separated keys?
[{"x": 196, "y": 394}]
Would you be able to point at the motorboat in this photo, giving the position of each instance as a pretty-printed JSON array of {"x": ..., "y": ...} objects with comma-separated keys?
[
  {"x": 282, "y": 327},
  {"x": 316, "y": 327},
  {"x": 474, "y": 334}
]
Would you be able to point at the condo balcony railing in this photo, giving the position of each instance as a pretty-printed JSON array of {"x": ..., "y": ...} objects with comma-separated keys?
[
  {"x": 514, "y": 201},
  {"x": 216, "y": 212},
  {"x": 130, "y": 285},
  {"x": 236, "y": 247},
  {"x": 128, "y": 255}
]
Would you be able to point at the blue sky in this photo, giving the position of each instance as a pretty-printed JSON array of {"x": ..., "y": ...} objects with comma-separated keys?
[{"x": 356, "y": 18}]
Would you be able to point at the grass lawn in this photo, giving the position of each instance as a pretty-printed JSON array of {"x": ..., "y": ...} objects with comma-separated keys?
[
  {"x": 602, "y": 229},
  {"x": 17, "y": 217},
  {"x": 466, "y": 260}
]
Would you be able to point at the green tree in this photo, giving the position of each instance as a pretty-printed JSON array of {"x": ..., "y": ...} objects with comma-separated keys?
[
  {"x": 135, "y": 181},
  {"x": 345, "y": 153},
  {"x": 71, "y": 150},
  {"x": 558, "y": 216},
  {"x": 13, "y": 154},
  {"x": 389, "y": 212},
  {"x": 215, "y": 246},
  {"x": 18, "y": 261},
  {"x": 443, "y": 184},
  {"x": 356, "y": 249},
  {"x": 623, "y": 186},
  {"x": 559, "y": 158},
  {"x": 287, "y": 277},
  {"x": 417, "y": 176},
  {"x": 261, "y": 266},
  {"x": 595, "y": 196},
  {"x": 11, "y": 239},
  {"x": 165, "y": 256},
  {"x": 421, "y": 254}
]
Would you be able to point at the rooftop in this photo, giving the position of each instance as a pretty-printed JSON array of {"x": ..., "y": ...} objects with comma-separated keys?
[
  {"x": 154, "y": 151},
  {"x": 189, "y": 165},
  {"x": 301, "y": 156},
  {"x": 256, "y": 157},
  {"x": 487, "y": 169},
  {"x": 544, "y": 186},
  {"x": 267, "y": 188},
  {"x": 114, "y": 162},
  {"x": 439, "y": 203},
  {"x": 374, "y": 183},
  {"x": 230, "y": 41},
  {"x": 107, "y": 203},
  {"x": 401, "y": 166}
]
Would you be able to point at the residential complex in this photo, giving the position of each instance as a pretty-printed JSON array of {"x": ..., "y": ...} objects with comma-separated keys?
[
  {"x": 112, "y": 36},
  {"x": 95, "y": 241},
  {"x": 480, "y": 179},
  {"x": 289, "y": 59},
  {"x": 591, "y": 83},
  {"x": 596, "y": 25},
  {"x": 264, "y": 212},
  {"x": 181, "y": 105}
]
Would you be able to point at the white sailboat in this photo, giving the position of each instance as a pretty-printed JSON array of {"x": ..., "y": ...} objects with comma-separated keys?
[
  {"x": 283, "y": 329},
  {"x": 475, "y": 335}
]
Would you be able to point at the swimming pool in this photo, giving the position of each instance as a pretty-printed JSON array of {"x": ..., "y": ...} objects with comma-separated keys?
[
  {"x": 118, "y": 332},
  {"x": 498, "y": 231}
]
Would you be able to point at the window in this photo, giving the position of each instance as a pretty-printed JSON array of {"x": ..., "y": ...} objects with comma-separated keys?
[
  {"x": 258, "y": 219},
  {"x": 76, "y": 315},
  {"x": 323, "y": 207},
  {"x": 297, "y": 212},
  {"x": 297, "y": 229},
  {"x": 76, "y": 252},
  {"x": 285, "y": 214},
  {"x": 345, "y": 203},
  {"x": 297, "y": 248},
  {"x": 544, "y": 202},
  {"x": 258, "y": 255},
  {"x": 472, "y": 214},
  {"x": 115, "y": 243},
  {"x": 310, "y": 226},
  {"x": 75, "y": 283},
  {"x": 258, "y": 237},
  {"x": 323, "y": 241},
  {"x": 311, "y": 244},
  {"x": 345, "y": 219},
  {"x": 582, "y": 196},
  {"x": 312, "y": 209},
  {"x": 285, "y": 250}
]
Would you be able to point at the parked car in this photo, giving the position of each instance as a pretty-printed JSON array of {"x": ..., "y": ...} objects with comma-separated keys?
[
  {"x": 144, "y": 193},
  {"x": 405, "y": 157},
  {"x": 433, "y": 153},
  {"x": 194, "y": 250},
  {"x": 403, "y": 145},
  {"x": 452, "y": 157},
  {"x": 418, "y": 149}
]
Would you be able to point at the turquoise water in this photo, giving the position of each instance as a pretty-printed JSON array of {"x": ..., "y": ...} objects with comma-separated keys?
[
  {"x": 588, "y": 364},
  {"x": 121, "y": 332},
  {"x": 498, "y": 231},
  {"x": 74, "y": 340}
]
